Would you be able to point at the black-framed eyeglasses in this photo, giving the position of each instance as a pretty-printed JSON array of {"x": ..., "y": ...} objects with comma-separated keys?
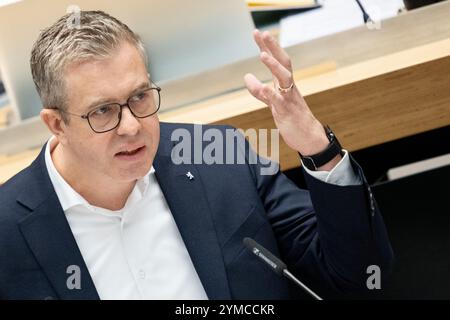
[{"x": 107, "y": 117}]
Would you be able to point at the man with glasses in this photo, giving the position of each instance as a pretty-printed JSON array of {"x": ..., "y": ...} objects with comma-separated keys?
[{"x": 104, "y": 212}]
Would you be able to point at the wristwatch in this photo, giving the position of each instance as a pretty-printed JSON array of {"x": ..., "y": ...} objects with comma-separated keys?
[{"x": 319, "y": 159}]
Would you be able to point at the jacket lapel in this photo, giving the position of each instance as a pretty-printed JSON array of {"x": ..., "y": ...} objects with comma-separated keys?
[
  {"x": 49, "y": 236},
  {"x": 190, "y": 209}
]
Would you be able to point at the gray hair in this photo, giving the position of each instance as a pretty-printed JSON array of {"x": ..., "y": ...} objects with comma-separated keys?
[{"x": 95, "y": 37}]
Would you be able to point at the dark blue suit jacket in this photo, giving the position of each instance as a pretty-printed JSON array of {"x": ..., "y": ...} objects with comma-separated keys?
[{"x": 328, "y": 235}]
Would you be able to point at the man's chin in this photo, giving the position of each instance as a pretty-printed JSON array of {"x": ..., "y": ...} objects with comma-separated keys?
[{"x": 132, "y": 174}]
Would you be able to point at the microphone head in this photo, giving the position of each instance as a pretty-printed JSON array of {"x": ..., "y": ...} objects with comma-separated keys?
[
  {"x": 275, "y": 264},
  {"x": 265, "y": 255}
]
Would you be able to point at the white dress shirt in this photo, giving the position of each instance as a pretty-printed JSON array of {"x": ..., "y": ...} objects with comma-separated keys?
[
  {"x": 342, "y": 174},
  {"x": 137, "y": 252}
]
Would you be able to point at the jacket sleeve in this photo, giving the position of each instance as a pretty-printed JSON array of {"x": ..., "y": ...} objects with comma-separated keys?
[{"x": 330, "y": 234}]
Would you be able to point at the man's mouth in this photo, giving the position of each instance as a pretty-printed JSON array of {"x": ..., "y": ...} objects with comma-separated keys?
[{"x": 130, "y": 152}]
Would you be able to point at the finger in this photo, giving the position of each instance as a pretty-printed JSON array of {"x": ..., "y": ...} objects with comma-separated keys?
[
  {"x": 271, "y": 44},
  {"x": 257, "y": 35},
  {"x": 262, "y": 47},
  {"x": 283, "y": 76},
  {"x": 255, "y": 87},
  {"x": 275, "y": 99}
]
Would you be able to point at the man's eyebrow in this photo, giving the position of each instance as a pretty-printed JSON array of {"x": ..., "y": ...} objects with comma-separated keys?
[
  {"x": 103, "y": 101},
  {"x": 142, "y": 86}
]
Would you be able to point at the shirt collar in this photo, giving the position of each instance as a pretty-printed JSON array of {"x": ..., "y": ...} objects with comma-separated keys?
[
  {"x": 143, "y": 183},
  {"x": 69, "y": 198}
]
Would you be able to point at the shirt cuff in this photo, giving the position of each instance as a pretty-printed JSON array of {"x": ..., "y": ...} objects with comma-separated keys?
[{"x": 342, "y": 174}]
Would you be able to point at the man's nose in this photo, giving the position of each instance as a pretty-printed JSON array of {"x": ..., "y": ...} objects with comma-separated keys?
[{"x": 129, "y": 124}]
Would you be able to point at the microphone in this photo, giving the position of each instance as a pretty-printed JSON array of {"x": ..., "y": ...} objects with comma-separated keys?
[{"x": 278, "y": 266}]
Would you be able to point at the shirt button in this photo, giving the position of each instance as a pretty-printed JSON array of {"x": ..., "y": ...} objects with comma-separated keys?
[{"x": 142, "y": 274}]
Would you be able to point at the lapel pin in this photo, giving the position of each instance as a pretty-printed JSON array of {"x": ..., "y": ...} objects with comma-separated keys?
[{"x": 189, "y": 175}]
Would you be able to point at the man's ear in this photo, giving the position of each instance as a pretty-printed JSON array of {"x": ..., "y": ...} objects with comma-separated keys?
[{"x": 54, "y": 122}]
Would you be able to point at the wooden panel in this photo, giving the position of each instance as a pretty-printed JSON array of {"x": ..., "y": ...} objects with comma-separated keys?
[{"x": 4, "y": 112}]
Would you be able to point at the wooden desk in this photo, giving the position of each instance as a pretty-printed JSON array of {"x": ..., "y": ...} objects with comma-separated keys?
[
  {"x": 382, "y": 96},
  {"x": 4, "y": 111}
]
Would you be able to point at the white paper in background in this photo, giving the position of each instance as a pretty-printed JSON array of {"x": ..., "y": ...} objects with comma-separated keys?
[{"x": 334, "y": 16}]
